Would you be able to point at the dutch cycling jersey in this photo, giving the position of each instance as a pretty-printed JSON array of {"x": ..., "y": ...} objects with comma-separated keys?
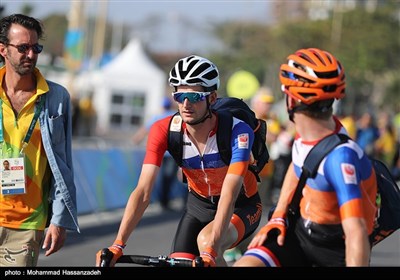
[
  {"x": 345, "y": 185},
  {"x": 206, "y": 171}
]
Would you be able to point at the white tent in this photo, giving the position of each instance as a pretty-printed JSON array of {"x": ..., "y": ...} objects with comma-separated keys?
[{"x": 127, "y": 91}]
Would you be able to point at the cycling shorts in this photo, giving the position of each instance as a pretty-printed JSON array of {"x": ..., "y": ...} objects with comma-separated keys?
[{"x": 201, "y": 211}]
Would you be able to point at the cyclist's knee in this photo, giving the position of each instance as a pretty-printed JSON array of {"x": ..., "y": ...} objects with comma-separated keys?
[{"x": 202, "y": 239}]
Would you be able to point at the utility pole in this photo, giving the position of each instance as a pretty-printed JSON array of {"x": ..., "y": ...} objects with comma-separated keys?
[
  {"x": 337, "y": 21},
  {"x": 74, "y": 42},
  {"x": 99, "y": 34}
]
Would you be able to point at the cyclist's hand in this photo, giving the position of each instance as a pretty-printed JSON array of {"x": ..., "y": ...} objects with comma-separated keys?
[
  {"x": 208, "y": 256},
  {"x": 116, "y": 249},
  {"x": 275, "y": 226}
]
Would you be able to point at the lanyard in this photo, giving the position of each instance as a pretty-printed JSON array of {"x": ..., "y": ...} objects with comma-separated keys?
[{"x": 28, "y": 135}]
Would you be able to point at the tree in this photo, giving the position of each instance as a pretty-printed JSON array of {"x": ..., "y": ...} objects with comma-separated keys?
[
  {"x": 368, "y": 47},
  {"x": 56, "y": 26}
]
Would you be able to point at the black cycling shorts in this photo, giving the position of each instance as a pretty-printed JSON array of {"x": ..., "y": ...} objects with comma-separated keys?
[
  {"x": 201, "y": 211},
  {"x": 302, "y": 249}
]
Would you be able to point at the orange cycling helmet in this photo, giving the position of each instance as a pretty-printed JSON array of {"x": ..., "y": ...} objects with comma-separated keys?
[{"x": 312, "y": 75}]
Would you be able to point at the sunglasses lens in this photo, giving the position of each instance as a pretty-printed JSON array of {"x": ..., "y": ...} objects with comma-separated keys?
[
  {"x": 37, "y": 48},
  {"x": 193, "y": 97},
  {"x": 24, "y": 48}
]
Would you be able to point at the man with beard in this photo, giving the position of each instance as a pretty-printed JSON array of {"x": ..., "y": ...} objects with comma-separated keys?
[{"x": 35, "y": 115}]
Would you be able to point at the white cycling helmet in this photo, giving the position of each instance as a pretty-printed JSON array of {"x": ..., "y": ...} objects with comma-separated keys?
[{"x": 195, "y": 70}]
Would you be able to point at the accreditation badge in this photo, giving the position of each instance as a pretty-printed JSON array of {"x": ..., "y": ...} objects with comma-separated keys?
[{"x": 12, "y": 176}]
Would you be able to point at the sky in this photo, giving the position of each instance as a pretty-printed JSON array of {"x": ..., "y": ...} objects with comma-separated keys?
[{"x": 179, "y": 25}]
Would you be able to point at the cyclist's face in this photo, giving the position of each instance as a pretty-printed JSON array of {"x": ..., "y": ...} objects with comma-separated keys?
[{"x": 191, "y": 111}]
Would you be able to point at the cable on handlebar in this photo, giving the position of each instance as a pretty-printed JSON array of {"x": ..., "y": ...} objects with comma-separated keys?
[{"x": 160, "y": 261}]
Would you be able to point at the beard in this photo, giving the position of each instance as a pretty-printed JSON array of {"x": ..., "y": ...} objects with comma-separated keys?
[{"x": 23, "y": 67}]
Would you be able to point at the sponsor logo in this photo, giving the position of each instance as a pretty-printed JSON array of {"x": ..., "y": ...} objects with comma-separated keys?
[
  {"x": 349, "y": 173},
  {"x": 253, "y": 218},
  {"x": 243, "y": 141}
]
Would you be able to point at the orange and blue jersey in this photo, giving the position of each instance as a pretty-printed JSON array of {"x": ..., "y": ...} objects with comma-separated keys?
[
  {"x": 206, "y": 171},
  {"x": 345, "y": 185}
]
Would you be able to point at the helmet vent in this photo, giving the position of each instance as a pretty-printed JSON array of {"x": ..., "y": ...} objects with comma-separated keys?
[
  {"x": 211, "y": 75},
  {"x": 330, "y": 88},
  {"x": 327, "y": 75},
  {"x": 306, "y": 57},
  {"x": 200, "y": 69},
  {"x": 308, "y": 95}
]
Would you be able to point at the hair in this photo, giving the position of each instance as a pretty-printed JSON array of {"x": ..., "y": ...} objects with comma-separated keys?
[
  {"x": 318, "y": 114},
  {"x": 318, "y": 110},
  {"x": 20, "y": 19}
]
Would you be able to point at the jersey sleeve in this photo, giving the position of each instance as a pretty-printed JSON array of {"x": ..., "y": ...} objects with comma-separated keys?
[
  {"x": 241, "y": 140},
  {"x": 157, "y": 142},
  {"x": 351, "y": 175}
]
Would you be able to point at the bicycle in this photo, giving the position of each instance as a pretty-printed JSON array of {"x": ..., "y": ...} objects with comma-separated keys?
[{"x": 160, "y": 261}]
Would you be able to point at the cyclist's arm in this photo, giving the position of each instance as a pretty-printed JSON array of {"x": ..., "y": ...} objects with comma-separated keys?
[
  {"x": 140, "y": 197},
  {"x": 289, "y": 186},
  {"x": 357, "y": 244},
  {"x": 353, "y": 181},
  {"x": 242, "y": 141}
]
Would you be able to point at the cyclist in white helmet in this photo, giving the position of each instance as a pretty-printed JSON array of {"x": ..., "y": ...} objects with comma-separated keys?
[{"x": 223, "y": 206}]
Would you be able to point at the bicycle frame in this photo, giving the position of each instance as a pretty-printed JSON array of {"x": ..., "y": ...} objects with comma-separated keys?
[{"x": 160, "y": 261}]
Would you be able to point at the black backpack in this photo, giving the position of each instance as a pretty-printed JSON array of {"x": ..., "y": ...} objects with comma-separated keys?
[
  {"x": 388, "y": 199},
  {"x": 226, "y": 107}
]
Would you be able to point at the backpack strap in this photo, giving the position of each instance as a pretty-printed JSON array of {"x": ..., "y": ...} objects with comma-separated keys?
[
  {"x": 175, "y": 138},
  {"x": 224, "y": 133},
  {"x": 311, "y": 164}
]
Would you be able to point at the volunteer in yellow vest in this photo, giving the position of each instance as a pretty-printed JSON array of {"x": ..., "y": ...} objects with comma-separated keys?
[{"x": 35, "y": 115}]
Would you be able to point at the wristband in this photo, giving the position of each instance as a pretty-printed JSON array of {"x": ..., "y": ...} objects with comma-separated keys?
[
  {"x": 278, "y": 214},
  {"x": 209, "y": 256},
  {"x": 210, "y": 252},
  {"x": 119, "y": 244},
  {"x": 279, "y": 221}
]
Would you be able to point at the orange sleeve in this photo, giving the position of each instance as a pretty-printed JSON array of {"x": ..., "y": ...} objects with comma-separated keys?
[
  {"x": 238, "y": 168},
  {"x": 157, "y": 142}
]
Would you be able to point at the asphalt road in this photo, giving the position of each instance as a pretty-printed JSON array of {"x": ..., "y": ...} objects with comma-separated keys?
[{"x": 154, "y": 236}]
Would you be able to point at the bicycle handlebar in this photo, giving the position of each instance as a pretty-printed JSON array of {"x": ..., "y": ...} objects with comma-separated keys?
[{"x": 160, "y": 261}]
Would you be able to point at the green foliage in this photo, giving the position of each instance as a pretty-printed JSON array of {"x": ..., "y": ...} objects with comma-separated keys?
[
  {"x": 366, "y": 43},
  {"x": 56, "y": 26},
  {"x": 392, "y": 95}
]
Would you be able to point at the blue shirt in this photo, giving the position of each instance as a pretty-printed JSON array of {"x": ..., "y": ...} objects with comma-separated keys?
[{"x": 56, "y": 129}]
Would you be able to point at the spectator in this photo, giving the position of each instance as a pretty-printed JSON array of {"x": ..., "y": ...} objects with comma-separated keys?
[{"x": 37, "y": 131}]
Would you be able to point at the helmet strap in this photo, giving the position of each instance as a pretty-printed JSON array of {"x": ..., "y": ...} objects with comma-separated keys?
[
  {"x": 208, "y": 114},
  {"x": 301, "y": 107}
]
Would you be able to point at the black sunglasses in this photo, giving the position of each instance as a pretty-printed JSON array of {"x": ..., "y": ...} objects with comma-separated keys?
[{"x": 24, "y": 48}]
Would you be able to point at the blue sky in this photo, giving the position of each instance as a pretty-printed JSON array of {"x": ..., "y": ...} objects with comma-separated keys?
[{"x": 167, "y": 25}]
